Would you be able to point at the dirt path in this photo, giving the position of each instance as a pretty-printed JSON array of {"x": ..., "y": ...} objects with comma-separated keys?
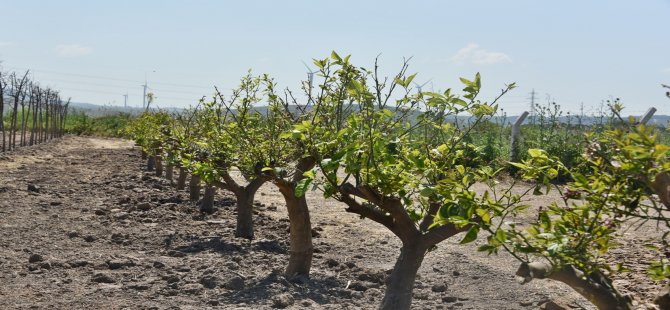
[{"x": 82, "y": 226}]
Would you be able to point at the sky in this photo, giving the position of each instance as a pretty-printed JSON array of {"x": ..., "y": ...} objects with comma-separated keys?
[{"x": 575, "y": 53}]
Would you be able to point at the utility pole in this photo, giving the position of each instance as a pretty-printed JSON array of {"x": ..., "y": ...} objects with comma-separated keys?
[
  {"x": 125, "y": 101},
  {"x": 144, "y": 96},
  {"x": 532, "y": 106},
  {"x": 532, "y": 102}
]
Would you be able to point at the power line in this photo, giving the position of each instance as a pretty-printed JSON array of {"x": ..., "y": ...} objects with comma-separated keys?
[{"x": 108, "y": 78}]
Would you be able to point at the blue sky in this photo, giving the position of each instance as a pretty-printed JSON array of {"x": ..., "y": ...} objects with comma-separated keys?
[{"x": 571, "y": 51}]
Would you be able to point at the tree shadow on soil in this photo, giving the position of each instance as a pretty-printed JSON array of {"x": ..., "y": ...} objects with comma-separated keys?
[
  {"x": 319, "y": 289},
  {"x": 219, "y": 245},
  {"x": 214, "y": 244}
]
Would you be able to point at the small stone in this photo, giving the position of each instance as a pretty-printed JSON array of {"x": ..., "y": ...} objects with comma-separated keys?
[
  {"x": 421, "y": 295},
  {"x": 73, "y": 234},
  {"x": 139, "y": 286},
  {"x": 55, "y": 203},
  {"x": 33, "y": 188},
  {"x": 526, "y": 303},
  {"x": 358, "y": 286},
  {"x": 90, "y": 238},
  {"x": 99, "y": 212},
  {"x": 171, "y": 279},
  {"x": 332, "y": 263},
  {"x": 118, "y": 264},
  {"x": 34, "y": 258},
  {"x": 210, "y": 282},
  {"x": 373, "y": 293},
  {"x": 45, "y": 265},
  {"x": 439, "y": 288},
  {"x": 158, "y": 264},
  {"x": 77, "y": 263},
  {"x": 144, "y": 206},
  {"x": 449, "y": 299},
  {"x": 192, "y": 288},
  {"x": 174, "y": 253},
  {"x": 456, "y": 273},
  {"x": 235, "y": 284},
  {"x": 282, "y": 300},
  {"x": 102, "y": 278}
]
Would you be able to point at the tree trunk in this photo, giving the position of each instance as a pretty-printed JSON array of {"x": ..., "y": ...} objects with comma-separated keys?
[
  {"x": 207, "y": 203},
  {"x": 181, "y": 180},
  {"x": 399, "y": 286},
  {"x": 301, "y": 248},
  {"x": 144, "y": 154},
  {"x": 245, "y": 223},
  {"x": 151, "y": 163},
  {"x": 595, "y": 287},
  {"x": 169, "y": 170},
  {"x": 194, "y": 188},
  {"x": 159, "y": 166}
]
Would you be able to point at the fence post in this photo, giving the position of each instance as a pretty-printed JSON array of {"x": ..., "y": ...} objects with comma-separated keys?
[
  {"x": 516, "y": 136},
  {"x": 647, "y": 116}
]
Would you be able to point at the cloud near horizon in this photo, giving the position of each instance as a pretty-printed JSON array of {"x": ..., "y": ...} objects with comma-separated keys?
[
  {"x": 73, "y": 50},
  {"x": 473, "y": 54},
  {"x": 6, "y": 43}
]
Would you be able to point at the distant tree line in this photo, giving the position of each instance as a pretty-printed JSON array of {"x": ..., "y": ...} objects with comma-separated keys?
[{"x": 30, "y": 113}]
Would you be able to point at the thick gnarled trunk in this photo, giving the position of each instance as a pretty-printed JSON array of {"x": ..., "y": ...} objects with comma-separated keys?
[
  {"x": 159, "y": 166},
  {"x": 245, "y": 223},
  {"x": 207, "y": 203},
  {"x": 301, "y": 248},
  {"x": 169, "y": 167},
  {"x": 194, "y": 188},
  {"x": 400, "y": 283},
  {"x": 245, "y": 202},
  {"x": 151, "y": 163},
  {"x": 181, "y": 180},
  {"x": 595, "y": 287}
]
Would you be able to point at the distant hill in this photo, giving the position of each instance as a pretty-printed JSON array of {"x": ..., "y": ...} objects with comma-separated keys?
[
  {"x": 101, "y": 110},
  {"x": 91, "y": 109}
]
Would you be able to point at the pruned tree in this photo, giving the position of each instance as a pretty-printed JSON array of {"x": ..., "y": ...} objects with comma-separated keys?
[{"x": 396, "y": 161}]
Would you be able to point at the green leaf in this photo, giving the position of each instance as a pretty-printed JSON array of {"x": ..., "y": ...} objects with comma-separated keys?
[
  {"x": 335, "y": 56},
  {"x": 501, "y": 236},
  {"x": 471, "y": 235},
  {"x": 536, "y": 153},
  {"x": 302, "y": 186},
  {"x": 427, "y": 191},
  {"x": 309, "y": 174},
  {"x": 545, "y": 220}
]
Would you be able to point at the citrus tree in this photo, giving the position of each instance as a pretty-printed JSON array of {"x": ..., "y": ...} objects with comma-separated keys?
[
  {"x": 398, "y": 162},
  {"x": 624, "y": 179}
]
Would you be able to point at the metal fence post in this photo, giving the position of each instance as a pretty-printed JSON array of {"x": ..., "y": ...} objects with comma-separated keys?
[
  {"x": 516, "y": 137},
  {"x": 647, "y": 116}
]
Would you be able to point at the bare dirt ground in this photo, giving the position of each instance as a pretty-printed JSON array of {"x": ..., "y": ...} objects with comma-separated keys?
[{"x": 82, "y": 226}]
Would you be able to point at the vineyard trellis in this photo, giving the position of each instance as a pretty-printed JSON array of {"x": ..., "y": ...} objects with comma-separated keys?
[
  {"x": 36, "y": 114},
  {"x": 391, "y": 156}
]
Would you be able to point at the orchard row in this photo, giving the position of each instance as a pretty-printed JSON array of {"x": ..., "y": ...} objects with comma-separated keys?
[{"x": 392, "y": 156}]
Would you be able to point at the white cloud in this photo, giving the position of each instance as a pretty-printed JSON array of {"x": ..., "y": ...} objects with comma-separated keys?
[
  {"x": 473, "y": 54},
  {"x": 6, "y": 44},
  {"x": 73, "y": 50}
]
